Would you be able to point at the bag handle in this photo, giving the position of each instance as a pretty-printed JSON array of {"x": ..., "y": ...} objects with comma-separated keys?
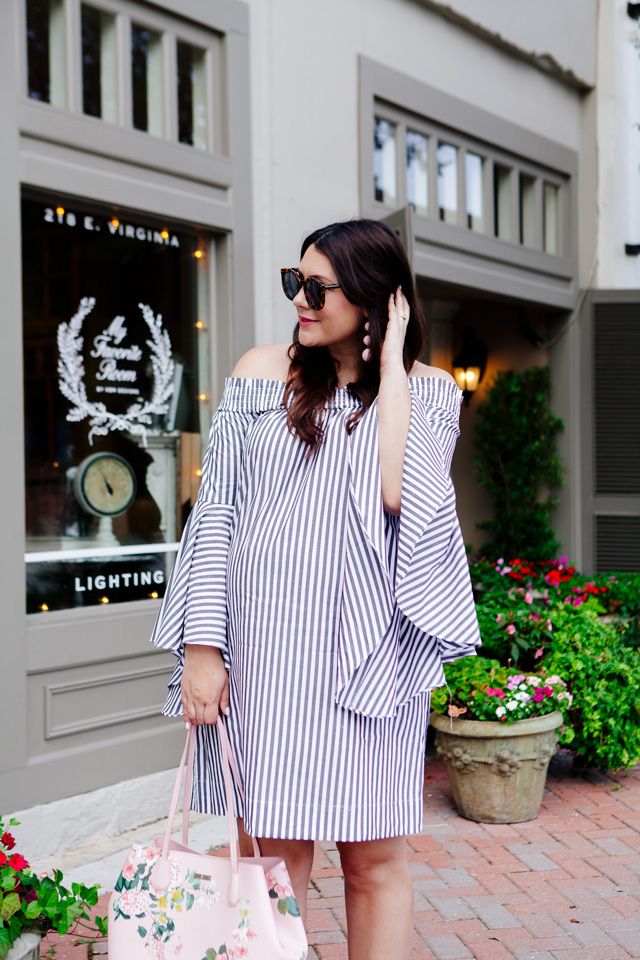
[{"x": 161, "y": 874}]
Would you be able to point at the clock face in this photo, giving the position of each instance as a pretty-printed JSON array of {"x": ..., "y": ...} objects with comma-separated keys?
[{"x": 105, "y": 484}]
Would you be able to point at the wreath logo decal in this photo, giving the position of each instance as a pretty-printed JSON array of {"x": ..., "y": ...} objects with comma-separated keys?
[{"x": 71, "y": 372}]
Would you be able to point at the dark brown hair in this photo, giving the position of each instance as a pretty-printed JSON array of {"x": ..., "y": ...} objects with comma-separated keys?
[{"x": 370, "y": 263}]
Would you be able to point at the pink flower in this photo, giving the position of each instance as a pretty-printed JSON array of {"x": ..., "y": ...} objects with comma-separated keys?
[
  {"x": 538, "y": 695},
  {"x": 499, "y": 618},
  {"x": 18, "y": 862},
  {"x": 129, "y": 869},
  {"x": 538, "y": 653},
  {"x": 151, "y": 853},
  {"x": 548, "y": 691},
  {"x": 133, "y": 902},
  {"x": 549, "y": 625},
  {"x": 495, "y": 692},
  {"x": 528, "y": 597},
  {"x": 511, "y": 629}
]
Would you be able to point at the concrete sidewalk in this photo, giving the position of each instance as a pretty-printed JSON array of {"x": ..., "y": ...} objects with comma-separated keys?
[{"x": 565, "y": 886}]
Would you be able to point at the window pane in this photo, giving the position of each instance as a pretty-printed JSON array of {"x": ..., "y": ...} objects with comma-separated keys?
[
  {"x": 99, "y": 66},
  {"x": 384, "y": 161},
  {"x": 417, "y": 172},
  {"x": 527, "y": 210},
  {"x": 192, "y": 96},
  {"x": 46, "y": 60},
  {"x": 502, "y": 201},
  {"x": 147, "y": 80},
  {"x": 474, "y": 178},
  {"x": 94, "y": 372},
  {"x": 551, "y": 213},
  {"x": 448, "y": 182}
]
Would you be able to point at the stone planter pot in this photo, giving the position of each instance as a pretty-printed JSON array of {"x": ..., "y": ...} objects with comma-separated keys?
[
  {"x": 497, "y": 770},
  {"x": 26, "y": 947}
]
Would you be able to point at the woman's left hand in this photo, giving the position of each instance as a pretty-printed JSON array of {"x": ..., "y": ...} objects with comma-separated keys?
[{"x": 392, "y": 346}]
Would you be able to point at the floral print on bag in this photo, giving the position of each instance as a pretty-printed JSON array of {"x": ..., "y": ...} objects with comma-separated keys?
[
  {"x": 241, "y": 935},
  {"x": 280, "y": 889},
  {"x": 156, "y": 911}
]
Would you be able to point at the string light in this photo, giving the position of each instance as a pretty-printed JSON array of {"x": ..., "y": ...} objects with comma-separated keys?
[
  {"x": 165, "y": 234},
  {"x": 198, "y": 473},
  {"x": 60, "y": 211},
  {"x": 202, "y": 396},
  {"x": 55, "y": 463},
  {"x": 115, "y": 222},
  {"x": 43, "y": 606},
  {"x": 104, "y": 599},
  {"x": 199, "y": 324},
  {"x": 154, "y": 595},
  {"x": 198, "y": 254}
]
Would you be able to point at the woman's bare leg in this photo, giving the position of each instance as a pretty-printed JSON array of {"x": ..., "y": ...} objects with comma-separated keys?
[
  {"x": 379, "y": 899},
  {"x": 297, "y": 855}
]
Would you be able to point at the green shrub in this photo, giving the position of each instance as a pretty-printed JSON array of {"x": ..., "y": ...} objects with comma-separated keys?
[
  {"x": 547, "y": 616},
  {"x": 517, "y": 462},
  {"x": 603, "y": 676}
]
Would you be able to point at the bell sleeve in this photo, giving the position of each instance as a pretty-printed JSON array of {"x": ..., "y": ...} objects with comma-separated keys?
[
  {"x": 194, "y": 608},
  {"x": 432, "y": 582},
  {"x": 407, "y": 603}
]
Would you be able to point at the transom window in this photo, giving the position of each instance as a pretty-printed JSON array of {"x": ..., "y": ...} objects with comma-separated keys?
[
  {"x": 137, "y": 67},
  {"x": 465, "y": 183}
]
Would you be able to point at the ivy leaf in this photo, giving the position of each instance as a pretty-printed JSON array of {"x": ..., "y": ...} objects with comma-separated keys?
[{"x": 10, "y": 905}]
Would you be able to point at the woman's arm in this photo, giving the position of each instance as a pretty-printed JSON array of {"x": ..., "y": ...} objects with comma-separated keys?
[{"x": 394, "y": 403}]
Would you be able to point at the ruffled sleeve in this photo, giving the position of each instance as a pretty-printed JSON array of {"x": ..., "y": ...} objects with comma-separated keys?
[
  {"x": 194, "y": 609},
  {"x": 432, "y": 582},
  {"x": 407, "y": 600}
]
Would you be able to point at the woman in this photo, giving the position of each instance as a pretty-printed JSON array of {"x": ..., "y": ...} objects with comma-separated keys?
[{"x": 322, "y": 579}]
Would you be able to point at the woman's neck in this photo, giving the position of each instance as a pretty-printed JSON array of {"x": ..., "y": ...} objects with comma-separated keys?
[{"x": 347, "y": 363}]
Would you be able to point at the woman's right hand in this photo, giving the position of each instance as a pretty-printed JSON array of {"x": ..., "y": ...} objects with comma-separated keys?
[{"x": 205, "y": 685}]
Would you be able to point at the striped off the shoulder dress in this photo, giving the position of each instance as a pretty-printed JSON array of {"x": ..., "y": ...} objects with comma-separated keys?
[{"x": 334, "y": 618}]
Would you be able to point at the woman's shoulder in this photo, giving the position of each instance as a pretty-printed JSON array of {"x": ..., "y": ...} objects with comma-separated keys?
[
  {"x": 268, "y": 362},
  {"x": 424, "y": 370}
]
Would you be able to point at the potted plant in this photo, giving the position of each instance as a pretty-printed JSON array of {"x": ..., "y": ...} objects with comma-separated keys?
[
  {"x": 31, "y": 905},
  {"x": 496, "y": 732}
]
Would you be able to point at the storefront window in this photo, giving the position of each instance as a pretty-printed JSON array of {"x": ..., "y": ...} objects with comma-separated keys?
[{"x": 113, "y": 401}]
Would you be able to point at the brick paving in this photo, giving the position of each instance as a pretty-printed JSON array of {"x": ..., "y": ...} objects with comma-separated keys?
[{"x": 565, "y": 886}]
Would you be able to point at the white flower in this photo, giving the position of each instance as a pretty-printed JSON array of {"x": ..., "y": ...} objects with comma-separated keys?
[
  {"x": 565, "y": 695},
  {"x": 500, "y": 711},
  {"x": 555, "y": 679},
  {"x": 512, "y": 704},
  {"x": 522, "y": 686},
  {"x": 533, "y": 681},
  {"x": 522, "y": 697}
]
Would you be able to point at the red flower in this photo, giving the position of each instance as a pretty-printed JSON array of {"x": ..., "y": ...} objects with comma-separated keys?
[
  {"x": 3, "y": 858},
  {"x": 18, "y": 862},
  {"x": 7, "y": 840}
]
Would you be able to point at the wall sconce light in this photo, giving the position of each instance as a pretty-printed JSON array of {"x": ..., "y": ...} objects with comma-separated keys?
[{"x": 470, "y": 364}]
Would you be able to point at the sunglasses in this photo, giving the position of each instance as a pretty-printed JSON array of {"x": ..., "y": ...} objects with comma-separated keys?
[{"x": 314, "y": 290}]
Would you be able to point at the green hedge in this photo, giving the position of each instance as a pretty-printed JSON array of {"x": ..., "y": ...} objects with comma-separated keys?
[{"x": 547, "y": 616}]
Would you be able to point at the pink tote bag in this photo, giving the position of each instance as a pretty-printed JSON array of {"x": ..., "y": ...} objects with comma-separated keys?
[{"x": 170, "y": 901}]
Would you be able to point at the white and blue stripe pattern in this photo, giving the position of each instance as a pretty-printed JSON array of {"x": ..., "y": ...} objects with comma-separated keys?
[{"x": 334, "y": 619}]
